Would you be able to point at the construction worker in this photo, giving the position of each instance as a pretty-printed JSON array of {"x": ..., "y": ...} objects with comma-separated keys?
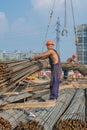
[
  {"x": 70, "y": 59},
  {"x": 54, "y": 60},
  {"x": 76, "y": 73}
]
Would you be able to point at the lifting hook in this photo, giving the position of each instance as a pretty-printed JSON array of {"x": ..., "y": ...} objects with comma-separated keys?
[{"x": 64, "y": 31}]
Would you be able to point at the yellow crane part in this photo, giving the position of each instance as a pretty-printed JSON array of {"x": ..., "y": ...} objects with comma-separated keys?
[{"x": 76, "y": 40}]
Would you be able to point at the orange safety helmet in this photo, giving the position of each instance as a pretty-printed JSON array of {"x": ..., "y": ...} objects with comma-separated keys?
[
  {"x": 49, "y": 42},
  {"x": 74, "y": 55}
]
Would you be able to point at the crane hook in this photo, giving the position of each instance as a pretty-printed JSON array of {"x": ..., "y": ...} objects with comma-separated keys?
[{"x": 64, "y": 31}]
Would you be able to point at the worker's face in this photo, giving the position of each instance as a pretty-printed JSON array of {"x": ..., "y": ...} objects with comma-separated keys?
[{"x": 50, "y": 47}]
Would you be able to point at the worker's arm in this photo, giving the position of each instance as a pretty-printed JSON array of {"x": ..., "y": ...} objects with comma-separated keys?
[
  {"x": 42, "y": 56},
  {"x": 69, "y": 59},
  {"x": 76, "y": 61}
]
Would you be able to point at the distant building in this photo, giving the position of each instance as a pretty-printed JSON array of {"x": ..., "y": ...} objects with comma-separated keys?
[
  {"x": 81, "y": 32},
  {"x": 16, "y": 55},
  {"x": 1, "y": 55}
]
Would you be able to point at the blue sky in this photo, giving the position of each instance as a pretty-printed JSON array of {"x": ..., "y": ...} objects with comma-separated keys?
[{"x": 23, "y": 24}]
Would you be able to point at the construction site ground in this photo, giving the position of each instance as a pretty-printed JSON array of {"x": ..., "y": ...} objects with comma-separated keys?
[{"x": 41, "y": 115}]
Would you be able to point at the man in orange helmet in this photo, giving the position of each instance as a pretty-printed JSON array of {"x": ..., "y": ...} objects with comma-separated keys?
[
  {"x": 74, "y": 56},
  {"x": 70, "y": 59},
  {"x": 54, "y": 60},
  {"x": 75, "y": 76}
]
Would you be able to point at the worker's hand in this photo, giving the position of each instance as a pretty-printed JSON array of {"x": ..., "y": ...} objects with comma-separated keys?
[{"x": 30, "y": 59}]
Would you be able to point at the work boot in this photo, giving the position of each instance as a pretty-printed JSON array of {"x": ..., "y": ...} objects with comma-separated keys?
[{"x": 52, "y": 100}]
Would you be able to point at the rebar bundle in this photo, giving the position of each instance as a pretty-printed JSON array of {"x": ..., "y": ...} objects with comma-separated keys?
[
  {"x": 72, "y": 124},
  {"x": 74, "y": 116},
  {"x": 46, "y": 118}
]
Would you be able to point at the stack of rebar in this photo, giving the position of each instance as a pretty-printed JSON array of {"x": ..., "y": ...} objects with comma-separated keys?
[
  {"x": 46, "y": 118},
  {"x": 13, "y": 72},
  {"x": 72, "y": 124},
  {"x": 74, "y": 117},
  {"x": 4, "y": 124},
  {"x": 70, "y": 105}
]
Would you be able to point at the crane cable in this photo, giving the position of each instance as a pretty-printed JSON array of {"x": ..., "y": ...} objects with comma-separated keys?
[
  {"x": 49, "y": 23},
  {"x": 73, "y": 16},
  {"x": 64, "y": 29},
  {"x": 76, "y": 37}
]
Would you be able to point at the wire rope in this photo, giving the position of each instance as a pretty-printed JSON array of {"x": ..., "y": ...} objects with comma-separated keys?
[
  {"x": 65, "y": 31},
  {"x": 73, "y": 17},
  {"x": 49, "y": 23},
  {"x": 76, "y": 37}
]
